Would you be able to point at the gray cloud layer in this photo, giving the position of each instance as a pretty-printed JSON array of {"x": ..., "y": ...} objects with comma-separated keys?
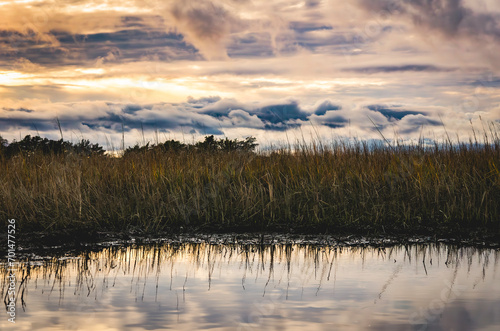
[
  {"x": 390, "y": 69},
  {"x": 210, "y": 115}
]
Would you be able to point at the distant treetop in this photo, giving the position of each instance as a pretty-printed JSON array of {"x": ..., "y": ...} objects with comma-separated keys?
[
  {"x": 31, "y": 145},
  {"x": 210, "y": 144}
]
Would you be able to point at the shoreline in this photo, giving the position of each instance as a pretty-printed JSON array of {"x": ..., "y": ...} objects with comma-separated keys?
[{"x": 44, "y": 243}]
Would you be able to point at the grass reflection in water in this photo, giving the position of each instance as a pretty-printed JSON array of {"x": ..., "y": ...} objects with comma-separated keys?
[{"x": 252, "y": 286}]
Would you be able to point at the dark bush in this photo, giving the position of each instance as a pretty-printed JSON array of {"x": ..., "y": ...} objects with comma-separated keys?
[
  {"x": 210, "y": 144},
  {"x": 31, "y": 145}
]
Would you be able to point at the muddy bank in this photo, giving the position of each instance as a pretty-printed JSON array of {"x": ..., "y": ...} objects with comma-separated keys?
[{"x": 65, "y": 241}]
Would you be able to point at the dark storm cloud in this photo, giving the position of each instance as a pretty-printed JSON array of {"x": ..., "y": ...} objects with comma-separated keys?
[
  {"x": 28, "y": 45},
  {"x": 393, "y": 114},
  {"x": 251, "y": 44},
  {"x": 326, "y": 106},
  {"x": 335, "y": 122},
  {"x": 275, "y": 117},
  {"x": 42, "y": 125},
  {"x": 281, "y": 113},
  {"x": 281, "y": 126},
  {"x": 24, "y": 110},
  {"x": 389, "y": 69},
  {"x": 302, "y": 27},
  {"x": 11, "y": 40},
  {"x": 131, "y": 109},
  {"x": 204, "y": 100},
  {"x": 332, "y": 41},
  {"x": 249, "y": 38},
  {"x": 133, "y": 22},
  {"x": 73, "y": 49},
  {"x": 327, "y": 114},
  {"x": 131, "y": 44}
]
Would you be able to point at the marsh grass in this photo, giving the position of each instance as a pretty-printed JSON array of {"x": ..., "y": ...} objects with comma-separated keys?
[{"x": 344, "y": 187}]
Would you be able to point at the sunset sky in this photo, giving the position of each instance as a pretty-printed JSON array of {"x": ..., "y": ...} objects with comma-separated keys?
[{"x": 273, "y": 69}]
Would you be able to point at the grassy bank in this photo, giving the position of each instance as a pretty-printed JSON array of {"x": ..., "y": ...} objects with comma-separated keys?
[{"x": 338, "y": 188}]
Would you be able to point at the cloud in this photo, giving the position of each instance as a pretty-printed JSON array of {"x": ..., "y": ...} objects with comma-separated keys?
[
  {"x": 155, "y": 117},
  {"x": 302, "y": 27},
  {"x": 204, "y": 100},
  {"x": 17, "y": 123},
  {"x": 487, "y": 82},
  {"x": 313, "y": 3},
  {"x": 130, "y": 109},
  {"x": 99, "y": 48},
  {"x": 250, "y": 44},
  {"x": 212, "y": 118},
  {"x": 274, "y": 116},
  {"x": 401, "y": 68},
  {"x": 332, "y": 120},
  {"x": 206, "y": 25},
  {"x": 211, "y": 115},
  {"x": 221, "y": 107},
  {"x": 414, "y": 123},
  {"x": 58, "y": 36},
  {"x": 449, "y": 17},
  {"x": 242, "y": 118},
  {"x": 393, "y": 114},
  {"x": 281, "y": 113},
  {"x": 357, "y": 118},
  {"x": 325, "y": 106},
  {"x": 128, "y": 45},
  {"x": 24, "y": 110},
  {"x": 24, "y": 65},
  {"x": 451, "y": 20}
]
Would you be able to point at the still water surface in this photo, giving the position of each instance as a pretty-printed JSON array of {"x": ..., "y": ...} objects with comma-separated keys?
[{"x": 242, "y": 286}]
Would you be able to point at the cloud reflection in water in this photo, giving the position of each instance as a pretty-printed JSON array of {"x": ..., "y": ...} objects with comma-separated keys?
[{"x": 251, "y": 287}]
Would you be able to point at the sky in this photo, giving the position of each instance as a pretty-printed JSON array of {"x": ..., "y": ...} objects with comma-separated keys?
[{"x": 278, "y": 70}]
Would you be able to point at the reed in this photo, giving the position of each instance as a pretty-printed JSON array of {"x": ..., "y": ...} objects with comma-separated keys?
[{"x": 451, "y": 189}]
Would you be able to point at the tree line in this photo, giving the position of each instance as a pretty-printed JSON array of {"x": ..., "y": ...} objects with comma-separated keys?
[
  {"x": 30, "y": 145},
  {"x": 210, "y": 144}
]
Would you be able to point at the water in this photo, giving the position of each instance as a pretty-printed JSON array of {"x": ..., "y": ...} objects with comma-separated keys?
[{"x": 193, "y": 286}]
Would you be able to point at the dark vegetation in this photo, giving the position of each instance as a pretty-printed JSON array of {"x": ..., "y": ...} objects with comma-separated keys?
[
  {"x": 210, "y": 144},
  {"x": 224, "y": 185},
  {"x": 29, "y": 146}
]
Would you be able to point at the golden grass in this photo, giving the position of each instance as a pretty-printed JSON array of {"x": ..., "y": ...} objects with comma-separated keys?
[{"x": 343, "y": 187}]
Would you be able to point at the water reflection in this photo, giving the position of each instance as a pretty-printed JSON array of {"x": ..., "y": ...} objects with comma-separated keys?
[{"x": 187, "y": 286}]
